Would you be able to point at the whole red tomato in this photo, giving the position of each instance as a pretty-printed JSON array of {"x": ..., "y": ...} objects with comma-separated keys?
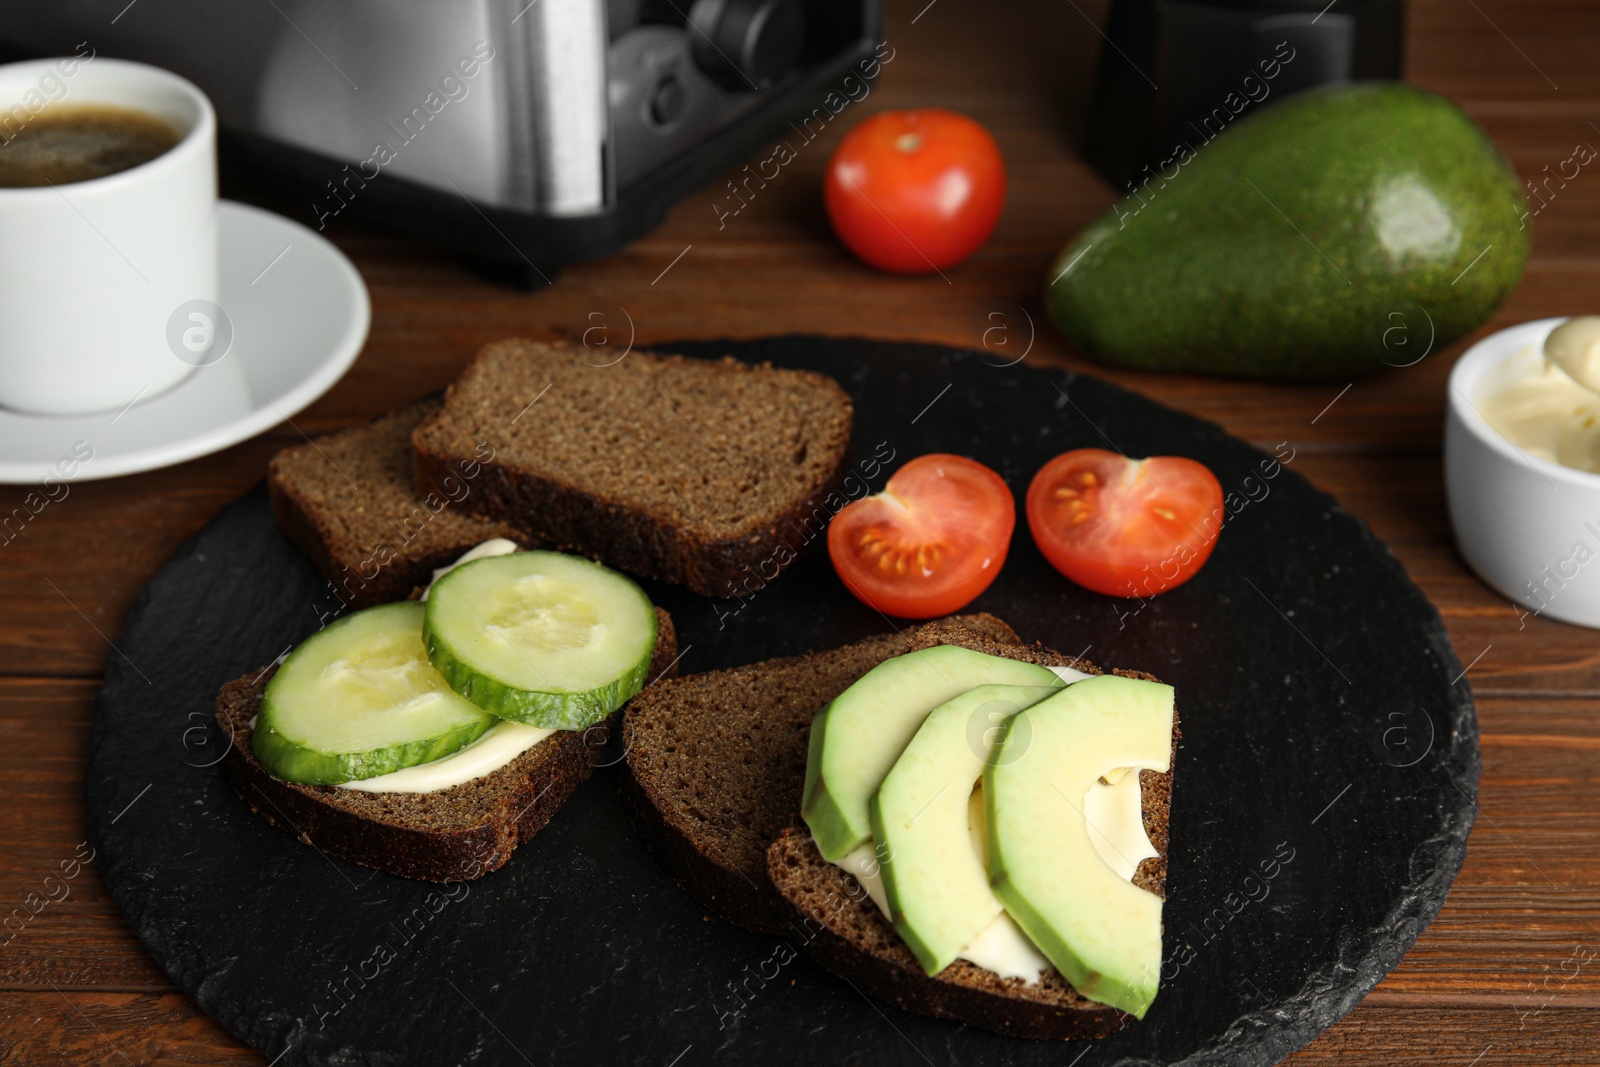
[{"x": 915, "y": 191}]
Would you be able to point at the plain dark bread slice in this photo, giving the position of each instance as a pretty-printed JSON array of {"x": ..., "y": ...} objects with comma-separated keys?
[
  {"x": 840, "y": 926},
  {"x": 349, "y": 501},
  {"x": 699, "y": 472},
  {"x": 455, "y": 834},
  {"x": 716, "y": 761}
]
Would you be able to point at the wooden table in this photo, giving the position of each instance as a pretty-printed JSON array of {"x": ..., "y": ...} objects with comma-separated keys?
[{"x": 1506, "y": 974}]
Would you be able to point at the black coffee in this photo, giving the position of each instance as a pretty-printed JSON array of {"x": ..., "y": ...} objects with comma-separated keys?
[{"x": 73, "y": 143}]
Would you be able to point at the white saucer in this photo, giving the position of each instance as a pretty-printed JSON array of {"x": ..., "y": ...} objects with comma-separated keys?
[{"x": 300, "y": 314}]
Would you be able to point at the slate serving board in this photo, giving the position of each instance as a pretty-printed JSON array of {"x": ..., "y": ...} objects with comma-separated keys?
[{"x": 1323, "y": 794}]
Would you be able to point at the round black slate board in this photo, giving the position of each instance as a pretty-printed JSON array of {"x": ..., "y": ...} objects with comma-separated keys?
[{"x": 1323, "y": 794}]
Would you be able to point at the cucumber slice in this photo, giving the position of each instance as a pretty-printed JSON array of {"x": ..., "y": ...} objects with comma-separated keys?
[
  {"x": 540, "y": 637},
  {"x": 360, "y": 699}
]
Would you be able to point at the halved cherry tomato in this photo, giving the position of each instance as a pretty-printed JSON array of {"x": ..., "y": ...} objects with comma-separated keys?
[
  {"x": 930, "y": 542},
  {"x": 1125, "y": 527},
  {"x": 915, "y": 191}
]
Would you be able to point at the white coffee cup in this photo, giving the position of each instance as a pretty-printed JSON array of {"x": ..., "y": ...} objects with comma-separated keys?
[{"x": 108, "y": 287}]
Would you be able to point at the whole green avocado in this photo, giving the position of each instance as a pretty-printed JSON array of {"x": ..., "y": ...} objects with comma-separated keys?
[{"x": 1343, "y": 230}]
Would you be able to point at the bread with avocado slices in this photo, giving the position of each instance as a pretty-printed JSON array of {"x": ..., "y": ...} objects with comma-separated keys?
[
  {"x": 454, "y": 834},
  {"x": 715, "y": 766},
  {"x": 715, "y": 762},
  {"x": 705, "y": 473}
]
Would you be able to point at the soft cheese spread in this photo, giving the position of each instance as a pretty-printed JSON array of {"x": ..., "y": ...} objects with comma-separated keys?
[
  {"x": 500, "y": 744},
  {"x": 1544, "y": 402}
]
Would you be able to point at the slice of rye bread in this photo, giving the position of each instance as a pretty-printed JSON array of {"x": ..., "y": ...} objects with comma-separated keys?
[
  {"x": 705, "y": 831},
  {"x": 349, "y": 502},
  {"x": 837, "y": 923},
  {"x": 716, "y": 762},
  {"x": 455, "y": 834},
  {"x": 699, "y": 472}
]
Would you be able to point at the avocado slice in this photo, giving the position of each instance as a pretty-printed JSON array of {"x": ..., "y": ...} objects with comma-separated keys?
[
  {"x": 1345, "y": 229},
  {"x": 860, "y": 734},
  {"x": 934, "y": 878},
  {"x": 1102, "y": 933}
]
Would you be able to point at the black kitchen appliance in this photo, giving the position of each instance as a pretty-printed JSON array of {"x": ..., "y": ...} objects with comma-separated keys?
[
  {"x": 523, "y": 132},
  {"x": 1177, "y": 72}
]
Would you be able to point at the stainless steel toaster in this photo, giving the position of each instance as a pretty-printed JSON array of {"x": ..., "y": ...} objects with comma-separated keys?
[{"x": 525, "y": 132}]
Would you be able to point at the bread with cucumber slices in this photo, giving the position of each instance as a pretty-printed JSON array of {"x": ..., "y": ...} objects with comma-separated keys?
[
  {"x": 709, "y": 795},
  {"x": 454, "y": 834},
  {"x": 708, "y": 474},
  {"x": 349, "y": 501}
]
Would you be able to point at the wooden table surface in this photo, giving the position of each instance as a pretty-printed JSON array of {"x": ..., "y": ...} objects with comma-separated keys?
[{"x": 1506, "y": 974}]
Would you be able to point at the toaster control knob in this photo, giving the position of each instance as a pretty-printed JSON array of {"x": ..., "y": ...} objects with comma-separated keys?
[
  {"x": 746, "y": 45},
  {"x": 667, "y": 100}
]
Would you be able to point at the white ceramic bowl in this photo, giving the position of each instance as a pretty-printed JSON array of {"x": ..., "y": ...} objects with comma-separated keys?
[{"x": 1529, "y": 527}]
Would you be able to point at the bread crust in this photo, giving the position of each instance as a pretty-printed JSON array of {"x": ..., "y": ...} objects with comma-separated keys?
[
  {"x": 344, "y": 824},
  {"x": 720, "y": 887},
  {"x": 852, "y": 939}
]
